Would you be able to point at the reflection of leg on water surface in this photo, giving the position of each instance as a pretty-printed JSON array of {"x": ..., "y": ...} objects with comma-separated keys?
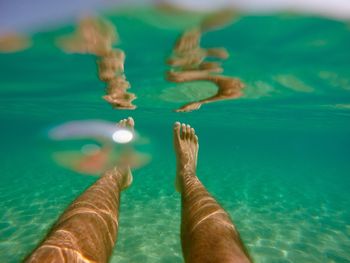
[
  {"x": 111, "y": 64},
  {"x": 94, "y": 36},
  {"x": 111, "y": 71},
  {"x": 188, "y": 63},
  {"x": 97, "y": 36}
]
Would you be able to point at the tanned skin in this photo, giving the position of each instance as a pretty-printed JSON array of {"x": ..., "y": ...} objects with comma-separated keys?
[
  {"x": 87, "y": 230},
  {"x": 207, "y": 232}
]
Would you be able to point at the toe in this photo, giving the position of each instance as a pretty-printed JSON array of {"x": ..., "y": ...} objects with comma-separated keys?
[
  {"x": 130, "y": 122},
  {"x": 183, "y": 131},
  {"x": 177, "y": 127},
  {"x": 188, "y": 132},
  {"x": 122, "y": 123},
  {"x": 192, "y": 134}
]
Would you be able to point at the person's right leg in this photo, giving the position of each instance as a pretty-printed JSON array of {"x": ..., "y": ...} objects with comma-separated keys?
[
  {"x": 207, "y": 232},
  {"x": 87, "y": 230}
]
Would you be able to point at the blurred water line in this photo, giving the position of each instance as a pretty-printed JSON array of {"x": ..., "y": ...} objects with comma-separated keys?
[{"x": 31, "y": 16}]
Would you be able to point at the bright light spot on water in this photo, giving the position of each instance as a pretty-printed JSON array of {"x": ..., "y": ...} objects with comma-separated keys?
[
  {"x": 123, "y": 136},
  {"x": 90, "y": 148}
]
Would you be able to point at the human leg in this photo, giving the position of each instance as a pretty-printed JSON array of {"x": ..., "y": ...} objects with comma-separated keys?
[
  {"x": 87, "y": 230},
  {"x": 207, "y": 232}
]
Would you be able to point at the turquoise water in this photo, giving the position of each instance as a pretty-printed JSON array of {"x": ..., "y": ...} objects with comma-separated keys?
[{"x": 276, "y": 159}]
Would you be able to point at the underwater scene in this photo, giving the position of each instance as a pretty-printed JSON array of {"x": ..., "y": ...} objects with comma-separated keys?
[{"x": 267, "y": 94}]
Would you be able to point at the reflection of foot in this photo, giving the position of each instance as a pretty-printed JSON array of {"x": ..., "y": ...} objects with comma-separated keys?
[
  {"x": 190, "y": 75},
  {"x": 186, "y": 149},
  {"x": 188, "y": 41},
  {"x": 221, "y": 53},
  {"x": 121, "y": 101},
  {"x": 189, "y": 107},
  {"x": 124, "y": 169},
  {"x": 213, "y": 67}
]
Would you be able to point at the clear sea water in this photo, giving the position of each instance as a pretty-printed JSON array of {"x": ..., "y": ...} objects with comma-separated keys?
[{"x": 278, "y": 159}]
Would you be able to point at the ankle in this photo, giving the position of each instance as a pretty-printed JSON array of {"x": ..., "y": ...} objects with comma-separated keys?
[
  {"x": 117, "y": 176},
  {"x": 186, "y": 169},
  {"x": 186, "y": 172}
]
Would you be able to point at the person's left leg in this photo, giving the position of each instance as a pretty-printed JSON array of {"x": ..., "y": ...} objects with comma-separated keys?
[
  {"x": 87, "y": 230},
  {"x": 207, "y": 231}
]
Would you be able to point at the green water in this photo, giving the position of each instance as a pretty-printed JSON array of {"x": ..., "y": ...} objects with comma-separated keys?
[{"x": 278, "y": 159}]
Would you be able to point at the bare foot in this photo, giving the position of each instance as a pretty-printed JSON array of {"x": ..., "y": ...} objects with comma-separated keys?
[
  {"x": 186, "y": 149},
  {"x": 128, "y": 123},
  {"x": 123, "y": 169}
]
